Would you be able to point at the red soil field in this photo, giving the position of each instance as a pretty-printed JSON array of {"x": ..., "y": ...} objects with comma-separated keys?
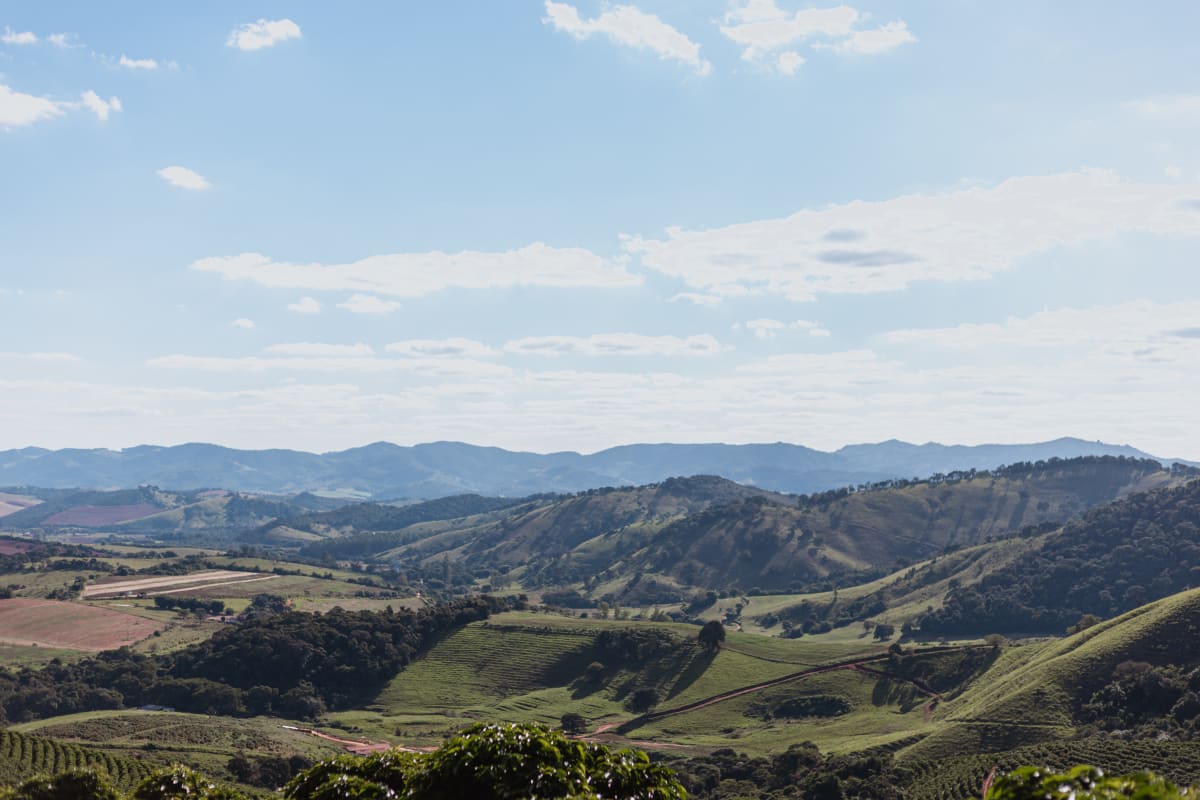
[
  {"x": 102, "y": 515},
  {"x": 71, "y": 626},
  {"x": 8, "y": 547}
]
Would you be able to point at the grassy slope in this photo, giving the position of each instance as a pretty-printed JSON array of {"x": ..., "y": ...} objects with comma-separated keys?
[
  {"x": 908, "y": 592},
  {"x": 527, "y": 666},
  {"x": 1031, "y": 693}
]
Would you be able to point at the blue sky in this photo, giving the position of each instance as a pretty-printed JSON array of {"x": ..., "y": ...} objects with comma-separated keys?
[{"x": 570, "y": 225}]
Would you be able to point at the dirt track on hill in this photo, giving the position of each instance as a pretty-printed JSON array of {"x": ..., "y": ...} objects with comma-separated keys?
[{"x": 611, "y": 730}]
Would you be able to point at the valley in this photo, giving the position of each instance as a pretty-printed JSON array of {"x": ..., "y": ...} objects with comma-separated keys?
[{"x": 926, "y": 631}]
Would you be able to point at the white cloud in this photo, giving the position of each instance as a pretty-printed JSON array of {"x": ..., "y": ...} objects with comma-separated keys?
[
  {"x": 368, "y": 304},
  {"x": 615, "y": 344},
  {"x": 879, "y": 246},
  {"x": 696, "y": 298},
  {"x": 18, "y": 109},
  {"x": 63, "y": 40},
  {"x": 417, "y": 274},
  {"x": 99, "y": 106},
  {"x": 631, "y": 27},
  {"x": 764, "y": 30},
  {"x": 454, "y": 347},
  {"x": 766, "y": 328},
  {"x": 264, "y": 33},
  {"x": 14, "y": 37},
  {"x": 321, "y": 350},
  {"x": 789, "y": 62},
  {"x": 137, "y": 63},
  {"x": 1172, "y": 108},
  {"x": 1157, "y": 332},
  {"x": 305, "y": 305},
  {"x": 243, "y": 323},
  {"x": 184, "y": 178},
  {"x": 873, "y": 42},
  {"x": 1173, "y": 171},
  {"x": 46, "y": 357},
  {"x": 430, "y": 368}
]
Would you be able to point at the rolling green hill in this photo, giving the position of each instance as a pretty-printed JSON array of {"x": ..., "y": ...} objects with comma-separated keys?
[
  {"x": 666, "y": 540},
  {"x": 1113, "y": 559},
  {"x": 1037, "y": 693}
]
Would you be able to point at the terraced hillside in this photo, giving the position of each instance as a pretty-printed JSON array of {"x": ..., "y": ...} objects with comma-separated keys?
[
  {"x": 23, "y": 756},
  {"x": 152, "y": 738}
]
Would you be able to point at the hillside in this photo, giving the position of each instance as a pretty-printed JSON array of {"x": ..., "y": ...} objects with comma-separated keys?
[
  {"x": 708, "y": 533},
  {"x": 1113, "y": 559},
  {"x": 387, "y": 471},
  {"x": 148, "y": 508},
  {"x": 1041, "y": 692}
]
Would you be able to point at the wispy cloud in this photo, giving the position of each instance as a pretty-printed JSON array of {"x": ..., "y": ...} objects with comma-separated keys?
[
  {"x": 368, "y": 304},
  {"x": 243, "y": 323},
  {"x": 18, "y": 109},
  {"x": 305, "y": 305},
  {"x": 184, "y": 178},
  {"x": 886, "y": 245},
  {"x": 766, "y": 328},
  {"x": 64, "y": 40},
  {"x": 263, "y": 33},
  {"x": 137, "y": 63},
  {"x": 1169, "y": 108},
  {"x": 454, "y": 347},
  {"x": 99, "y": 106},
  {"x": 417, "y": 274},
  {"x": 45, "y": 357},
  {"x": 322, "y": 350},
  {"x": 631, "y": 27},
  {"x": 696, "y": 298},
  {"x": 615, "y": 344},
  {"x": 770, "y": 34},
  {"x": 18, "y": 37}
]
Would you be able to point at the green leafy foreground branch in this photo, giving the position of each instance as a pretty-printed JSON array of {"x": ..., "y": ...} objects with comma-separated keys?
[
  {"x": 528, "y": 762},
  {"x": 485, "y": 761}
]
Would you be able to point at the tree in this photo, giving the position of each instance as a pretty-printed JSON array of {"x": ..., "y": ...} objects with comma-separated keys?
[
  {"x": 76, "y": 784},
  {"x": 643, "y": 699},
  {"x": 180, "y": 781},
  {"x": 884, "y": 631},
  {"x": 573, "y": 723},
  {"x": 712, "y": 634},
  {"x": 1081, "y": 783},
  {"x": 490, "y": 762}
]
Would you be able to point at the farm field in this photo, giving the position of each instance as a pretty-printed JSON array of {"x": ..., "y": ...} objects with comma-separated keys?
[
  {"x": 23, "y": 756},
  {"x": 163, "y": 737},
  {"x": 24, "y": 655},
  {"x": 71, "y": 626},
  {"x": 12, "y": 503},
  {"x": 170, "y": 584}
]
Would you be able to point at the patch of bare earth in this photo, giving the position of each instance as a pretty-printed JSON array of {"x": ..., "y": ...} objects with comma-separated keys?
[
  {"x": 170, "y": 584},
  {"x": 12, "y": 503},
  {"x": 71, "y": 626},
  {"x": 102, "y": 515}
]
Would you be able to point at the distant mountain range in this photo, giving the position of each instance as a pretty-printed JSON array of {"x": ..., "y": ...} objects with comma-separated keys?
[{"x": 440, "y": 469}]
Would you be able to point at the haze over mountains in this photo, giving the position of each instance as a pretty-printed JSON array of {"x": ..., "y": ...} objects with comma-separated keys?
[{"x": 387, "y": 471}]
